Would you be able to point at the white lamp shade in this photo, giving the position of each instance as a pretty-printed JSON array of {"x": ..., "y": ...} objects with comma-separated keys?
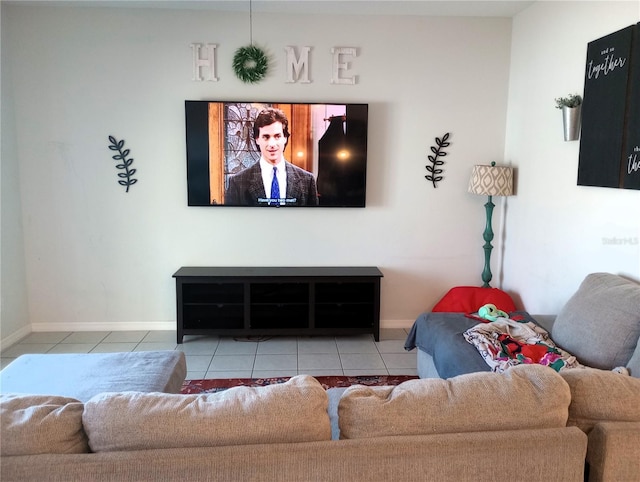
[{"x": 491, "y": 180}]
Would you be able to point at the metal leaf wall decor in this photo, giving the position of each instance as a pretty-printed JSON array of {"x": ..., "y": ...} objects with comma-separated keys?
[
  {"x": 434, "y": 171},
  {"x": 125, "y": 166}
]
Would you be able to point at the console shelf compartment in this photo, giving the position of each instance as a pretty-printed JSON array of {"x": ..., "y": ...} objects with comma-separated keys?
[{"x": 245, "y": 301}]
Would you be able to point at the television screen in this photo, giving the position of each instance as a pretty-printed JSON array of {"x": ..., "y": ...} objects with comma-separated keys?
[{"x": 276, "y": 154}]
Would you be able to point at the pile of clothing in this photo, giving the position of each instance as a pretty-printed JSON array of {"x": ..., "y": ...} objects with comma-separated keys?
[{"x": 504, "y": 342}]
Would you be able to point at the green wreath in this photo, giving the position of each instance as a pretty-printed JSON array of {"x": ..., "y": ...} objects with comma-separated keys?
[{"x": 250, "y": 64}]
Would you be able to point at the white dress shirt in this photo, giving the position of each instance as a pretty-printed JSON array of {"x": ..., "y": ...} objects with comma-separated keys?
[{"x": 267, "y": 177}]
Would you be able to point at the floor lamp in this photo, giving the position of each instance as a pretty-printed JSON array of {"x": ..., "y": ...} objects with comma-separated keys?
[{"x": 490, "y": 181}]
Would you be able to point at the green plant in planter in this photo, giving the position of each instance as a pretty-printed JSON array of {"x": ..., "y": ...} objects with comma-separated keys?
[{"x": 572, "y": 100}]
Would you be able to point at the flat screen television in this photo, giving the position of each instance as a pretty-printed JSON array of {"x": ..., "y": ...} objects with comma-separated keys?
[{"x": 326, "y": 151}]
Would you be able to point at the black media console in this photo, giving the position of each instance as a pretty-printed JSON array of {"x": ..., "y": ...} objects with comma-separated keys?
[{"x": 242, "y": 301}]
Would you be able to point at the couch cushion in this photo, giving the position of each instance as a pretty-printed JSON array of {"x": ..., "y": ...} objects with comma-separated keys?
[
  {"x": 295, "y": 411},
  {"x": 600, "y": 323},
  {"x": 40, "y": 424},
  {"x": 600, "y": 395},
  {"x": 525, "y": 396}
]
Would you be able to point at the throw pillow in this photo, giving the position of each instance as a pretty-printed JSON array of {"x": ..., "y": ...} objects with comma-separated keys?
[
  {"x": 295, "y": 411},
  {"x": 600, "y": 323},
  {"x": 469, "y": 299},
  {"x": 634, "y": 363},
  {"x": 41, "y": 424},
  {"x": 528, "y": 396}
]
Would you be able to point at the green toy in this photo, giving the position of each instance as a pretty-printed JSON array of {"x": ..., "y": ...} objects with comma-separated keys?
[{"x": 491, "y": 313}]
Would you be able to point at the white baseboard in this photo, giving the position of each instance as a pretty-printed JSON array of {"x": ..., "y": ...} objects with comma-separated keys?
[
  {"x": 405, "y": 324},
  {"x": 107, "y": 326},
  {"x": 152, "y": 325},
  {"x": 14, "y": 337},
  {"x": 131, "y": 326}
]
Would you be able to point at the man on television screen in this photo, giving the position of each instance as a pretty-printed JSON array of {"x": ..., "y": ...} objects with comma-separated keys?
[{"x": 272, "y": 181}]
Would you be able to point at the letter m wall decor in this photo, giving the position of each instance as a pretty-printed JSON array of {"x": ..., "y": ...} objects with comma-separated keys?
[{"x": 610, "y": 139}]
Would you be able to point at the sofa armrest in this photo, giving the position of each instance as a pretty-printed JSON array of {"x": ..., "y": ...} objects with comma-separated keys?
[
  {"x": 545, "y": 321},
  {"x": 613, "y": 451}
]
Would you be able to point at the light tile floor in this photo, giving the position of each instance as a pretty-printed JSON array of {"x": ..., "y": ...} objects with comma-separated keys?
[{"x": 226, "y": 357}]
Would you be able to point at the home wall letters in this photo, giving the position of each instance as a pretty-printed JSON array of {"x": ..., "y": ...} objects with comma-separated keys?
[{"x": 297, "y": 65}]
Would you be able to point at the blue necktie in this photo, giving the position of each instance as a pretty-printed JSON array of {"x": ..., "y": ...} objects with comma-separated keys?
[{"x": 275, "y": 188}]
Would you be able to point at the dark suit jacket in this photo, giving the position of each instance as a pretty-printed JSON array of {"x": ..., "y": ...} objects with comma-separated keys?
[{"x": 246, "y": 187}]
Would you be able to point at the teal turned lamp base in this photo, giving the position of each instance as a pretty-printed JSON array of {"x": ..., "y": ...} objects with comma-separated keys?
[
  {"x": 490, "y": 181},
  {"x": 488, "y": 237}
]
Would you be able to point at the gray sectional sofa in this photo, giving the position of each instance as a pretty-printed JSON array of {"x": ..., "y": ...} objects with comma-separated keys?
[
  {"x": 600, "y": 325},
  {"x": 471, "y": 428}
]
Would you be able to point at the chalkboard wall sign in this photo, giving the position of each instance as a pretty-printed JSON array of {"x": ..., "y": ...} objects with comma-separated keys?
[
  {"x": 631, "y": 153},
  {"x": 610, "y": 139}
]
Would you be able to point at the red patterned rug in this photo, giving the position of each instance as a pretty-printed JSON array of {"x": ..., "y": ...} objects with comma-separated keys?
[{"x": 220, "y": 384}]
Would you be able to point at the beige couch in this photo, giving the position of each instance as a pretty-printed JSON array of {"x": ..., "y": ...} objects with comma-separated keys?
[
  {"x": 600, "y": 325},
  {"x": 479, "y": 427},
  {"x": 606, "y": 406}
]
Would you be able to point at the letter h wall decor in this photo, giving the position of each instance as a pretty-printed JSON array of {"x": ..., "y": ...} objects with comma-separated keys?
[{"x": 610, "y": 139}]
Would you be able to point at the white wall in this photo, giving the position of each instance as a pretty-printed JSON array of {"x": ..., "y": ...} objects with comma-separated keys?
[
  {"x": 558, "y": 232},
  {"x": 97, "y": 258},
  {"x": 14, "y": 317}
]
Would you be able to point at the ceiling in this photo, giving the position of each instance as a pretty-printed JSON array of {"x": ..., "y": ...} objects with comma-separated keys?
[{"x": 473, "y": 8}]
